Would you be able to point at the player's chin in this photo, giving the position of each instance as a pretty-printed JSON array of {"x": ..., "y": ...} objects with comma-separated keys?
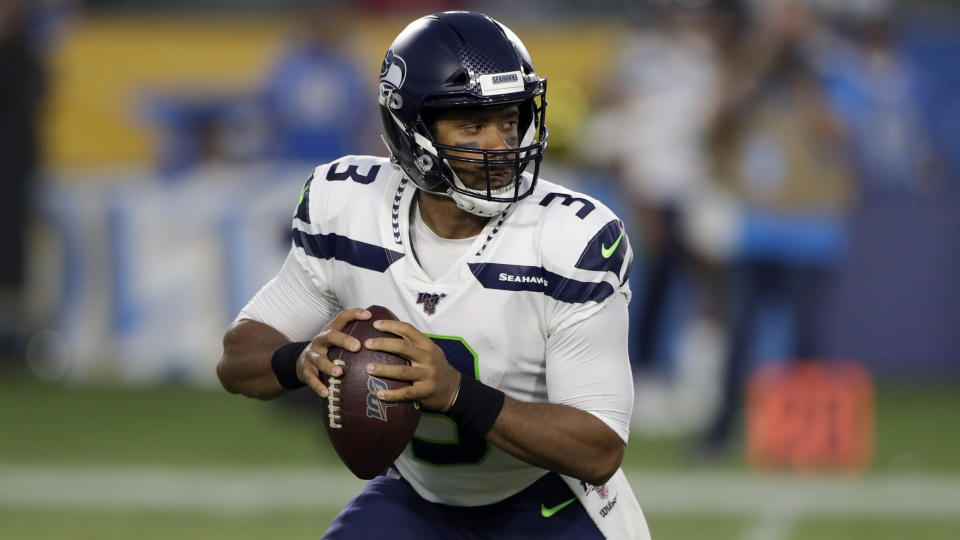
[{"x": 501, "y": 178}]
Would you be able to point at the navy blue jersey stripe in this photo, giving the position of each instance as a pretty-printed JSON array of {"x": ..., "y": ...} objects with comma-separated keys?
[
  {"x": 341, "y": 248},
  {"x": 512, "y": 277},
  {"x": 626, "y": 273}
]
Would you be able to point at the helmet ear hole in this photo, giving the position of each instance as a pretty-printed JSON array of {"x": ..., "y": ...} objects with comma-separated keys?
[{"x": 424, "y": 163}]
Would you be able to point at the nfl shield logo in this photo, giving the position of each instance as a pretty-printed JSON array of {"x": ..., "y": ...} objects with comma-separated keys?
[{"x": 429, "y": 301}]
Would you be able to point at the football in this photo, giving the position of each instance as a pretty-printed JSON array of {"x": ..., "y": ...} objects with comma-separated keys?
[{"x": 368, "y": 434}]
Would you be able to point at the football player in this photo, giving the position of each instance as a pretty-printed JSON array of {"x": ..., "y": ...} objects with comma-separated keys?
[{"x": 511, "y": 292}]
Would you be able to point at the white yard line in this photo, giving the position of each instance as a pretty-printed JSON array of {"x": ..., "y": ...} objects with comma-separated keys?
[
  {"x": 775, "y": 500},
  {"x": 899, "y": 495},
  {"x": 176, "y": 488},
  {"x": 772, "y": 525}
]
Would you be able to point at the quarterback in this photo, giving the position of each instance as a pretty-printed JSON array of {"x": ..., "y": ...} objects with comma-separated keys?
[{"x": 511, "y": 294}]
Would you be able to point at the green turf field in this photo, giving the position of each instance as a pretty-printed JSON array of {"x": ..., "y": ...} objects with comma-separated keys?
[{"x": 182, "y": 463}]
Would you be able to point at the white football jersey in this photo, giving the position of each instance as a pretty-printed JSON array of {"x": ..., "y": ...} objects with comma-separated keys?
[{"x": 550, "y": 261}]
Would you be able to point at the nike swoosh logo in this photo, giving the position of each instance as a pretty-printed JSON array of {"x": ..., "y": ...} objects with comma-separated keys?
[
  {"x": 608, "y": 251},
  {"x": 547, "y": 512}
]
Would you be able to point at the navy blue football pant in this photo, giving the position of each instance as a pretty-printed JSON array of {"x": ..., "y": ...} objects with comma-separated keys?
[{"x": 389, "y": 508}]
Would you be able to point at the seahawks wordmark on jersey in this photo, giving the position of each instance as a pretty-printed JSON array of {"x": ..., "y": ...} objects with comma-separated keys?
[{"x": 547, "y": 263}]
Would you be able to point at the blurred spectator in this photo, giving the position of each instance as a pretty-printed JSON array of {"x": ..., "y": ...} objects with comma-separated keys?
[
  {"x": 205, "y": 124},
  {"x": 315, "y": 95},
  {"x": 22, "y": 91},
  {"x": 873, "y": 89},
  {"x": 309, "y": 107},
  {"x": 778, "y": 149},
  {"x": 653, "y": 132}
]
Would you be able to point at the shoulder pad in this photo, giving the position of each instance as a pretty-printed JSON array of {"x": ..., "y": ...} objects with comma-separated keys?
[
  {"x": 347, "y": 178},
  {"x": 583, "y": 239},
  {"x": 359, "y": 169}
]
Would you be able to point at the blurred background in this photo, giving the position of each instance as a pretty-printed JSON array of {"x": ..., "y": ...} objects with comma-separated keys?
[{"x": 789, "y": 171}]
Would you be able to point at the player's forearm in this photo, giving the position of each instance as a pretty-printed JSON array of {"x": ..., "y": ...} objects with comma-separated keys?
[
  {"x": 558, "y": 438},
  {"x": 244, "y": 367}
]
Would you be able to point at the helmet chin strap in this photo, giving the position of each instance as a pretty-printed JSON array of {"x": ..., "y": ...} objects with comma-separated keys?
[
  {"x": 474, "y": 204},
  {"x": 477, "y": 207}
]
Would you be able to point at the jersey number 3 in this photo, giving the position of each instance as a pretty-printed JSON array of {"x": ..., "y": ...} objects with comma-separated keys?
[{"x": 459, "y": 447}]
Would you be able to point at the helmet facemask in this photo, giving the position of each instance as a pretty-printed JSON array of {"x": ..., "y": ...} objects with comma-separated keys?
[{"x": 439, "y": 161}]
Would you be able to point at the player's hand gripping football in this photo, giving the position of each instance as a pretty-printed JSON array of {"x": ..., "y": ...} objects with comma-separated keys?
[
  {"x": 434, "y": 381},
  {"x": 314, "y": 358}
]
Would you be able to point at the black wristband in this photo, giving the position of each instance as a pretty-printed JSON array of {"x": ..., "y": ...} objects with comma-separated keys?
[
  {"x": 476, "y": 406},
  {"x": 284, "y": 364}
]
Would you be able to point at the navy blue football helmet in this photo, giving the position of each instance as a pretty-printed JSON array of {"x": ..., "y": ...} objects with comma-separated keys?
[{"x": 461, "y": 59}]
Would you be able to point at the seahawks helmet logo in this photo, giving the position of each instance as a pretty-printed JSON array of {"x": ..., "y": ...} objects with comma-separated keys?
[{"x": 392, "y": 74}]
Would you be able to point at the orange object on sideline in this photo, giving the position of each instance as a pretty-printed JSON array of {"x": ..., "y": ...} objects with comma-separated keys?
[{"x": 810, "y": 416}]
